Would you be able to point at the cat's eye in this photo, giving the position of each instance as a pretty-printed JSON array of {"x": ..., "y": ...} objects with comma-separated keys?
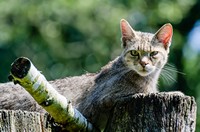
[
  {"x": 153, "y": 53},
  {"x": 134, "y": 53}
]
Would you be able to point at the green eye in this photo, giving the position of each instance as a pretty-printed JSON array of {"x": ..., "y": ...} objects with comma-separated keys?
[
  {"x": 134, "y": 53},
  {"x": 153, "y": 53}
]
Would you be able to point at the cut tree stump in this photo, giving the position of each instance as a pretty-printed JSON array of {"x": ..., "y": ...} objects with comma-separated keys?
[
  {"x": 23, "y": 121},
  {"x": 161, "y": 112}
]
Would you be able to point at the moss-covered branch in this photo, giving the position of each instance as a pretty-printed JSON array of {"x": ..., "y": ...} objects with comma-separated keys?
[{"x": 23, "y": 72}]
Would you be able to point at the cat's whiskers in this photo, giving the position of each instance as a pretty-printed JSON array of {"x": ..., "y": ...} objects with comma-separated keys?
[
  {"x": 172, "y": 68},
  {"x": 168, "y": 75},
  {"x": 165, "y": 78},
  {"x": 168, "y": 71},
  {"x": 165, "y": 74}
]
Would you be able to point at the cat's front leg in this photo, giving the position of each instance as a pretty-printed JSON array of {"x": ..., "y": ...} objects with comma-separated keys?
[{"x": 176, "y": 93}]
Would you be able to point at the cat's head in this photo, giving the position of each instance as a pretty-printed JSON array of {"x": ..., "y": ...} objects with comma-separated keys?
[{"x": 143, "y": 52}]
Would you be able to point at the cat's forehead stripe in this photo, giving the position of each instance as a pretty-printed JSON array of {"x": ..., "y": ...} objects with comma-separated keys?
[
  {"x": 144, "y": 47},
  {"x": 144, "y": 42}
]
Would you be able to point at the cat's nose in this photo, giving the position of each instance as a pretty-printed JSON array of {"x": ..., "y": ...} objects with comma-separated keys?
[{"x": 143, "y": 63}]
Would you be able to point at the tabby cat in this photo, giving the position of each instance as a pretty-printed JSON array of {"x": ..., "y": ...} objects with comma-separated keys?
[{"x": 136, "y": 70}]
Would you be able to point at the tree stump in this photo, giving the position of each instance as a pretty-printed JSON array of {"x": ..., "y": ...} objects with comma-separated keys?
[
  {"x": 161, "y": 112},
  {"x": 23, "y": 121}
]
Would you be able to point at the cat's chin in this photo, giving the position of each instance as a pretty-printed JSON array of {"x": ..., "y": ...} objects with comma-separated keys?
[{"x": 144, "y": 73}]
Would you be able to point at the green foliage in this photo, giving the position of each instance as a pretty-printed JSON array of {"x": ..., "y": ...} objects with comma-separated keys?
[{"x": 67, "y": 38}]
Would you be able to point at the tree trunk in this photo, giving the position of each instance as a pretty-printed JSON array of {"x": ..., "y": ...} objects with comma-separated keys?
[{"x": 162, "y": 112}]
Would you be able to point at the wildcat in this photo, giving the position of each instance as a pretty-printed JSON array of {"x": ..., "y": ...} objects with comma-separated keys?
[{"x": 136, "y": 70}]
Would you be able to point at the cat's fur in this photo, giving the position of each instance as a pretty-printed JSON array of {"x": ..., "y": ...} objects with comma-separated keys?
[{"x": 136, "y": 70}]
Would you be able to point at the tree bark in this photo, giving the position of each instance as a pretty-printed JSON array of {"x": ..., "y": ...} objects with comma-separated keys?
[
  {"x": 161, "y": 112},
  {"x": 23, "y": 121}
]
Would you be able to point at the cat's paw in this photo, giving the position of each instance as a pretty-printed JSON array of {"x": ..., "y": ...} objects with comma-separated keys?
[{"x": 176, "y": 93}]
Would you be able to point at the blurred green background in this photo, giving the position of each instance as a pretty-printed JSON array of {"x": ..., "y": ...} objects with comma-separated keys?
[{"x": 68, "y": 38}]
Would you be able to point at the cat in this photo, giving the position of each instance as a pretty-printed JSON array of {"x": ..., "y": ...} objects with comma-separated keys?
[{"x": 136, "y": 70}]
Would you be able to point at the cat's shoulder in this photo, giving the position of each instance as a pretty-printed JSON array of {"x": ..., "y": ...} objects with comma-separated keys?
[{"x": 112, "y": 64}]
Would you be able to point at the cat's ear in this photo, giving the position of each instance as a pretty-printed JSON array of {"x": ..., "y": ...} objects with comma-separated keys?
[
  {"x": 164, "y": 35},
  {"x": 127, "y": 32}
]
